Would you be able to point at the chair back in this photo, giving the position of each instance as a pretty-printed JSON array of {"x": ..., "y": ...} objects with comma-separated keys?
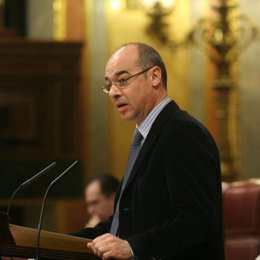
[{"x": 241, "y": 213}]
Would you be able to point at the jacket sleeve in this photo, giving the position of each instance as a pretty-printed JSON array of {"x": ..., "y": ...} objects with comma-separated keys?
[{"x": 98, "y": 230}]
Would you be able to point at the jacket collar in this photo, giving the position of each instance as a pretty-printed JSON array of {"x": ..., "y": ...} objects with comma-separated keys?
[{"x": 152, "y": 137}]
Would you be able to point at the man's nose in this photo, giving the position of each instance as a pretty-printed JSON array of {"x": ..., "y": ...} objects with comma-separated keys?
[{"x": 114, "y": 91}]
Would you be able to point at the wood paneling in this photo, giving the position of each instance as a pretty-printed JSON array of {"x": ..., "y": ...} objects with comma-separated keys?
[
  {"x": 39, "y": 89},
  {"x": 39, "y": 115}
]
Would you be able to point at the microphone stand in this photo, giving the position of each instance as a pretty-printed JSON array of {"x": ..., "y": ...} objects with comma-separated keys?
[
  {"x": 26, "y": 183},
  {"x": 43, "y": 206}
]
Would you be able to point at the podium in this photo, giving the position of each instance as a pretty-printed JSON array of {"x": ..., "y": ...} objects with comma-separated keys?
[{"x": 18, "y": 241}]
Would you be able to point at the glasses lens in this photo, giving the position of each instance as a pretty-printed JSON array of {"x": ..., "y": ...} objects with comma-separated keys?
[
  {"x": 106, "y": 87},
  {"x": 122, "y": 83}
]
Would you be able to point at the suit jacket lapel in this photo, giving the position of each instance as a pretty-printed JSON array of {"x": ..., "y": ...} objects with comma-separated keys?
[{"x": 152, "y": 138}]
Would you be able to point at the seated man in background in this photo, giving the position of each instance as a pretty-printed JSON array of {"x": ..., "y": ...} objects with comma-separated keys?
[{"x": 99, "y": 197}]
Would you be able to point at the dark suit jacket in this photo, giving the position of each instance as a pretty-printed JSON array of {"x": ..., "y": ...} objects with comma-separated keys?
[{"x": 171, "y": 207}]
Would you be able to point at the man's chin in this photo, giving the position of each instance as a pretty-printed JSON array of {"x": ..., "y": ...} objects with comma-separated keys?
[{"x": 127, "y": 117}]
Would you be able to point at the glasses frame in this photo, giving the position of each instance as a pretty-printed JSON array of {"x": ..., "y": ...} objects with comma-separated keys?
[{"x": 107, "y": 89}]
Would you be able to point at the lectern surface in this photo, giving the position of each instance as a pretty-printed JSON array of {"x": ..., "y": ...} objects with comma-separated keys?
[{"x": 52, "y": 245}]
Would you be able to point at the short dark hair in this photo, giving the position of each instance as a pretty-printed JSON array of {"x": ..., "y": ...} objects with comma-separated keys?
[
  {"x": 148, "y": 57},
  {"x": 108, "y": 184}
]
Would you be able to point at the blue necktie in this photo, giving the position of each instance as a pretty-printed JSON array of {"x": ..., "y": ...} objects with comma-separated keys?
[{"x": 134, "y": 151}]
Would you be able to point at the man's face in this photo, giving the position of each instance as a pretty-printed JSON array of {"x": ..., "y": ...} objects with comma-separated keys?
[
  {"x": 97, "y": 203},
  {"x": 136, "y": 100}
]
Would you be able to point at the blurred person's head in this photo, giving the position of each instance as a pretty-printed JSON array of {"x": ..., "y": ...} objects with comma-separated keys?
[{"x": 99, "y": 196}]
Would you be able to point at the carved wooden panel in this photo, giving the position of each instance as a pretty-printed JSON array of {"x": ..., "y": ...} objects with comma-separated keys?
[
  {"x": 39, "y": 116},
  {"x": 39, "y": 100}
]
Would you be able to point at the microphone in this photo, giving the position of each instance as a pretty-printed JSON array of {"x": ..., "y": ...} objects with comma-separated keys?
[
  {"x": 27, "y": 182},
  {"x": 43, "y": 205}
]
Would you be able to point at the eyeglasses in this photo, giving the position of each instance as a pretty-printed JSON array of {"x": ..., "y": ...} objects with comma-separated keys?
[{"x": 121, "y": 82}]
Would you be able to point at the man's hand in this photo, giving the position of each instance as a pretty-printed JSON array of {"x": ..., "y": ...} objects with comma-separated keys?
[{"x": 108, "y": 246}]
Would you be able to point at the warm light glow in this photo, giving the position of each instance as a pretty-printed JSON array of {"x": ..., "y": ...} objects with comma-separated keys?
[
  {"x": 218, "y": 35},
  {"x": 166, "y": 4},
  {"x": 59, "y": 19},
  {"x": 115, "y": 4}
]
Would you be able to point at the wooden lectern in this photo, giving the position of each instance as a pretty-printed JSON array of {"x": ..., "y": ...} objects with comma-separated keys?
[{"x": 18, "y": 241}]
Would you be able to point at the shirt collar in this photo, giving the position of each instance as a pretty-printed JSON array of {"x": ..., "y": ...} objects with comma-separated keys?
[{"x": 146, "y": 125}]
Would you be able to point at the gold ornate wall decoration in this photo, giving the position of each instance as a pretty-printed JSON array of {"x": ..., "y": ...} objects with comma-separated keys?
[
  {"x": 59, "y": 19},
  {"x": 222, "y": 37}
]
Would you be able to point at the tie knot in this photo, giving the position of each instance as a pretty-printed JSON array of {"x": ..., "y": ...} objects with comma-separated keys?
[{"x": 137, "y": 137}]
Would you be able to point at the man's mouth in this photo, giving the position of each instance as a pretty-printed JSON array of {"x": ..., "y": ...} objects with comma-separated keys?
[{"x": 121, "y": 106}]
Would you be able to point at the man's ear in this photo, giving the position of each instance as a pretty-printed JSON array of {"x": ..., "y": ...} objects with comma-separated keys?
[{"x": 156, "y": 76}]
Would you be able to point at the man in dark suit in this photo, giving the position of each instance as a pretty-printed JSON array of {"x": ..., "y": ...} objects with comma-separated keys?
[{"x": 170, "y": 207}]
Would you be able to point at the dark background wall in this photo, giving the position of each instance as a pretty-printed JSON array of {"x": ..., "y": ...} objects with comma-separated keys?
[{"x": 15, "y": 16}]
